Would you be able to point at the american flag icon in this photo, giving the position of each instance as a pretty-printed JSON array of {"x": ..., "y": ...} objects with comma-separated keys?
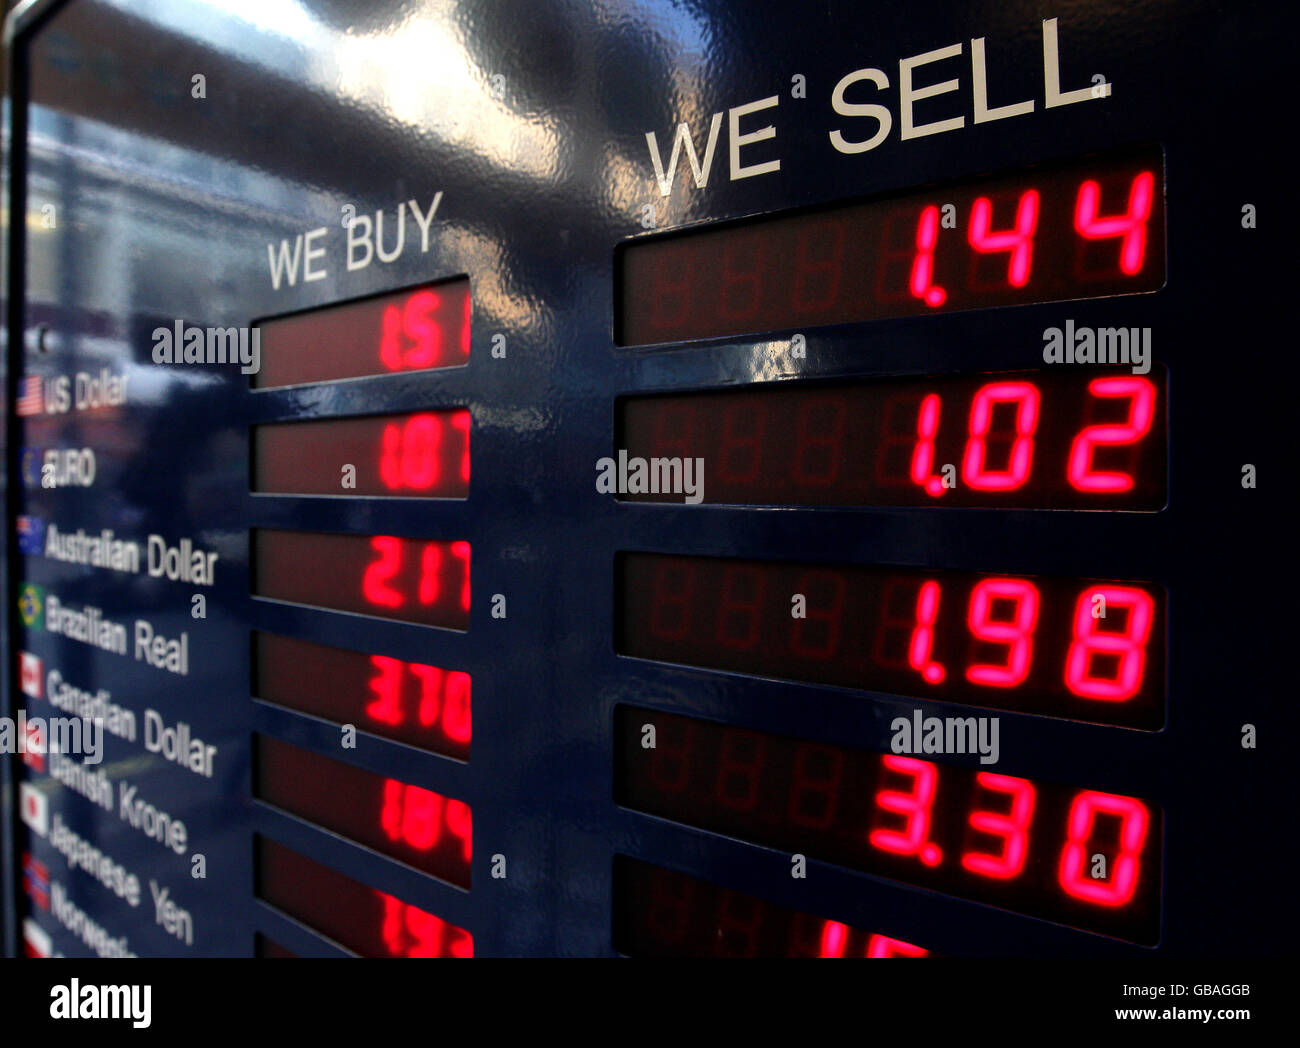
[{"x": 31, "y": 397}]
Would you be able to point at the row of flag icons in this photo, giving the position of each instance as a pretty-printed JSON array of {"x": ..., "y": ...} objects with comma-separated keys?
[
  {"x": 36, "y": 883},
  {"x": 34, "y": 809},
  {"x": 31, "y": 678},
  {"x": 33, "y": 804}
]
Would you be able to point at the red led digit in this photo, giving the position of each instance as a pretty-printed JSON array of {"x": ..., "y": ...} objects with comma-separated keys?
[
  {"x": 883, "y": 946},
  {"x": 1131, "y": 226},
  {"x": 387, "y": 686},
  {"x": 1141, "y": 410},
  {"x": 1125, "y": 651},
  {"x": 739, "y": 764},
  {"x": 825, "y": 447},
  {"x": 460, "y": 420},
  {"x": 741, "y": 603},
  {"x": 897, "y": 439},
  {"x": 830, "y": 267},
  {"x": 834, "y": 939},
  {"x": 742, "y": 288},
  {"x": 466, "y": 311},
  {"x": 409, "y": 456},
  {"x": 390, "y": 457},
  {"x": 375, "y": 582},
  {"x": 421, "y": 326},
  {"x": 1019, "y": 240},
  {"x": 421, "y": 437},
  {"x": 1121, "y": 882},
  {"x": 390, "y": 340},
  {"x": 927, "y": 235},
  {"x": 914, "y": 805},
  {"x": 427, "y": 931},
  {"x": 462, "y": 943},
  {"x": 460, "y": 551},
  {"x": 1012, "y": 827},
  {"x": 408, "y": 931},
  {"x": 826, "y": 614},
  {"x": 461, "y": 825},
  {"x": 1017, "y": 634},
  {"x": 743, "y": 443},
  {"x": 974, "y": 472},
  {"x": 455, "y": 707},
  {"x": 421, "y": 817},
  {"x": 392, "y": 927},
  {"x": 431, "y": 680},
  {"x": 927, "y": 425},
  {"x": 430, "y": 573},
  {"x": 390, "y": 813},
  {"x": 674, "y": 593},
  {"x": 922, "y": 642},
  {"x": 814, "y": 793}
]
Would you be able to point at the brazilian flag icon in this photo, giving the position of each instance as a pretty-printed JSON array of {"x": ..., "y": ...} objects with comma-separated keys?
[{"x": 31, "y": 606}]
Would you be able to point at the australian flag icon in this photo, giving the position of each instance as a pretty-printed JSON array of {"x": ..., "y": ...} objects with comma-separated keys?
[{"x": 31, "y": 535}]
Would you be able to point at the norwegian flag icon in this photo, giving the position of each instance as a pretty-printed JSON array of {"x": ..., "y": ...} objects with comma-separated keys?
[
  {"x": 31, "y": 397},
  {"x": 36, "y": 941},
  {"x": 36, "y": 880},
  {"x": 34, "y": 808},
  {"x": 31, "y": 675}
]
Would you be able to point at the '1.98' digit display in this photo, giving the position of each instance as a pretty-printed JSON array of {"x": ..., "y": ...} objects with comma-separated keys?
[
  {"x": 1086, "y": 649},
  {"x": 1084, "y": 229},
  {"x": 1083, "y": 857}
]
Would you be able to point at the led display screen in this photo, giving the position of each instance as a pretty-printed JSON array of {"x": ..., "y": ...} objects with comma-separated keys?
[
  {"x": 362, "y": 919},
  {"x": 663, "y": 913},
  {"x": 411, "y": 330},
  {"x": 1074, "y": 855},
  {"x": 1086, "y": 229},
  {"x": 413, "y": 580},
  {"x": 411, "y": 702},
  {"x": 1049, "y": 439},
  {"x": 424, "y": 454},
  {"x": 1086, "y": 649},
  {"x": 424, "y": 829}
]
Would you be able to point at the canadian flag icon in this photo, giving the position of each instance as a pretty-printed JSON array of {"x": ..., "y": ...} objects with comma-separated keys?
[
  {"x": 31, "y": 674},
  {"x": 34, "y": 807},
  {"x": 36, "y": 940}
]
